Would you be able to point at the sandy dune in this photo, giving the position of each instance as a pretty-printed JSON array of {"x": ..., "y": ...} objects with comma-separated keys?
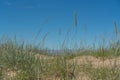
[{"x": 96, "y": 62}]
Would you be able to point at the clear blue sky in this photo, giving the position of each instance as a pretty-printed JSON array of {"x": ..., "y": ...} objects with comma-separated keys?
[{"x": 55, "y": 17}]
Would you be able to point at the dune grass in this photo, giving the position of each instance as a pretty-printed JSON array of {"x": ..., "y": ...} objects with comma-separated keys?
[
  {"x": 20, "y": 61},
  {"x": 28, "y": 62}
]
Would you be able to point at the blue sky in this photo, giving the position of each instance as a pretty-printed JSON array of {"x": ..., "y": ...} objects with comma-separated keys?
[{"x": 56, "y": 17}]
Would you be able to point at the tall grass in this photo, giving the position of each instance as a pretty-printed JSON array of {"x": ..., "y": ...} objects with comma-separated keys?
[{"x": 21, "y": 61}]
